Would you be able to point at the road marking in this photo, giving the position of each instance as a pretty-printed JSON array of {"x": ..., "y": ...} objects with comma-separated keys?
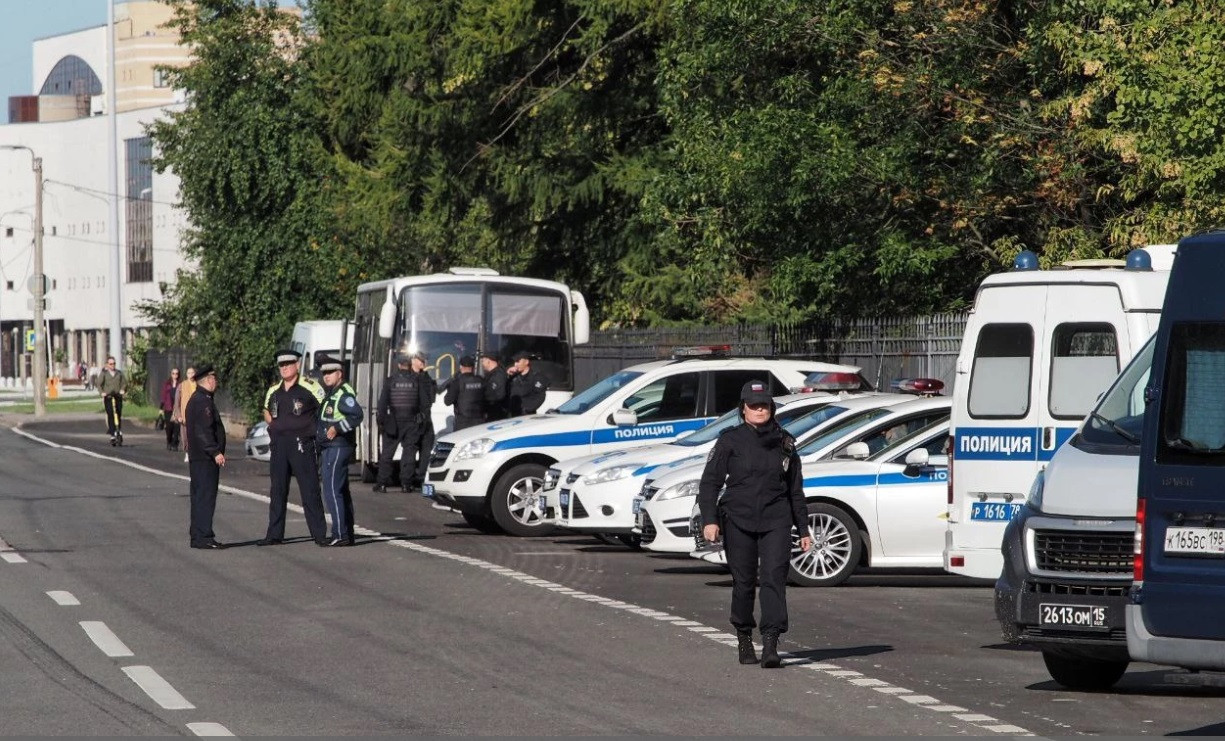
[
  {"x": 158, "y": 689},
  {"x": 984, "y": 722},
  {"x": 64, "y": 599},
  {"x": 11, "y": 557},
  {"x": 208, "y": 729},
  {"x": 920, "y": 699},
  {"x": 105, "y": 639}
]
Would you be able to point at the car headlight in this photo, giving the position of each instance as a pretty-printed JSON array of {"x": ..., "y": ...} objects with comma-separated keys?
[
  {"x": 676, "y": 491},
  {"x": 612, "y": 473},
  {"x": 474, "y": 449},
  {"x": 1034, "y": 500},
  {"x": 550, "y": 479}
]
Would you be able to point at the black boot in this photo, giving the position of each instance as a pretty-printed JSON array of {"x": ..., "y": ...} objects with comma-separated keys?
[
  {"x": 748, "y": 655},
  {"x": 769, "y": 651}
]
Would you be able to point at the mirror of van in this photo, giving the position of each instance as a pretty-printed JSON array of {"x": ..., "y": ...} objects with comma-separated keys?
[
  {"x": 387, "y": 320},
  {"x": 858, "y": 451},
  {"x": 623, "y": 417}
]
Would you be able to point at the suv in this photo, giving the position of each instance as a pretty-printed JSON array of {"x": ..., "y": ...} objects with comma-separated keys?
[{"x": 493, "y": 473}]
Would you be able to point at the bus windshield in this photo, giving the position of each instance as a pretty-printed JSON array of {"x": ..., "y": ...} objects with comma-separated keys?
[{"x": 593, "y": 395}]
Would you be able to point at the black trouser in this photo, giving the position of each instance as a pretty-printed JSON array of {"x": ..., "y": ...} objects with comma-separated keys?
[
  {"x": 114, "y": 413},
  {"x": 462, "y": 422},
  {"x": 205, "y": 477},
  {"x": 758, "y": 558},
  {"x": 408, "y": 436},
  {"x": 292, "y": 456},
  {"x": 424, "y": 446},
  {"x": 172, "y": 428}
]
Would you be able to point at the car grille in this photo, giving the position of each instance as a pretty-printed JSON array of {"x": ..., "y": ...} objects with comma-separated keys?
[
  {"x": 695, "y": 529},
  {"x": 1079, "y": 590},
  {"x": 679, "y": 531},
  {"x": 1115, "y": 635},
  {"x": 438, "y": 455},
  {"x": 570, "y": 479},
  {"x": 577, "y": 510},
  {"x": 648, "y": 529},
  {"x": 648, "y": 492},
  {"x": 1084, "y": 552}
]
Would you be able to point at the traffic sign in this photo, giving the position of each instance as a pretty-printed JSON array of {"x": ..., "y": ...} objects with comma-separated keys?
[
  {"x": 35, "y": 282},
  {"x": 31, "y": 336},
  {"x": 31, "y": 303}
]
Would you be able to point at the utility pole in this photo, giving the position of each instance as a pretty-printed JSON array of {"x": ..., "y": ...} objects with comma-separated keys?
[
  {"x": 116, "y": 281},
  {"x": 38, "y": 287}
]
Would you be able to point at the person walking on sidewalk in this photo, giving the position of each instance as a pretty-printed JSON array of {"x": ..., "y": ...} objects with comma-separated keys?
[
  {"x": 113, "y": 386},
  {"x": 206, "y": 454},
  {"x": 169, "y": 418}
]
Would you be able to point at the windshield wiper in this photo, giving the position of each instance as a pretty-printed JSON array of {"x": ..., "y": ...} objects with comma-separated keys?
[{"x": 1122, "y": 431}]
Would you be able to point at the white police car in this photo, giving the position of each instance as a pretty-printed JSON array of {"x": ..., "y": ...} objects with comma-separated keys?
[{"x": 495, "y": 471}]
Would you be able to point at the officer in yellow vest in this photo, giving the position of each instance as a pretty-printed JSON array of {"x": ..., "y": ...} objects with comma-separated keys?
[
  {"x": 338, "y": 420},
  {"x": 291, "y": 409}
]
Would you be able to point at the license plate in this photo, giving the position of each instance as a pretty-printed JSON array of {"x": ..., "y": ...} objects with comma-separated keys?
[
  {"x": 427, "y": 491},
  {"x": 1205, "y": 541},
  {"x": 1073, "y": 616},
  {"x": 637, "y": 506},
  {"x": 564, "y": 497},
  {"x": 993, "y": 511},
  {"x": 638, "y": 520}
]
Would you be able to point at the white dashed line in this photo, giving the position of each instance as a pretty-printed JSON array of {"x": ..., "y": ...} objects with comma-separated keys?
[
  {"x": 208, "y": 729},
  {"x": 920, "y": 699},
  {"x": 975, "y": 718},
  {"x": 105, "y": 639},
  {"x": 158, "y": 689},
  {"x": 64, "y": 599},
  {"x": 11, "y": 557}
]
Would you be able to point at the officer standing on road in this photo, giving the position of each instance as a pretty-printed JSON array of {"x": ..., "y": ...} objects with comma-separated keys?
[
  {"x": 496, "y": 382},
  {"x": 466, "y": 393},
  {"x": 426, "y": 442},
  {"x": 764, "y": 499},
  {"x": 403, "y": 405},
  {"x": 206, "y": 455},
  {"x": 113, "y": 386},
  {"x": 338, "y": 421},
  {"x": 527, "y": 387},
  {"x": 290, "y": 409}
]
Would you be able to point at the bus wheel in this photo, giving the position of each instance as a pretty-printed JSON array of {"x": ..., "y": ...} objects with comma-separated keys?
[
  {"x": 369, "y": 473},
  {"x": 516, "y": 501},
  {"x": 1077, "y": 673},
  {"x": 836, "y": 546}
]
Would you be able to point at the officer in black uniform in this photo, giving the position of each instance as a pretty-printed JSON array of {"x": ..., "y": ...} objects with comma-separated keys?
[
  {"x": 466, "y": 393},
  {"x": 402, "y": 409},
  {"x": 527, "y": 387},
  {"x": 291, "y": 408},
  {"x": 426, "y": 442},
  {"x": 496, "y": 382},
  {"x": 206, "y": 456},
  {"x": 764, "y": 499}
]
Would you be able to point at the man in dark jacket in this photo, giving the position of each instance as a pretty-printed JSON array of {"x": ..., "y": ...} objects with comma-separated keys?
[
  {"x": 496, "y": 382},
  {"x": 404, "y": 406},
  {"x": 206, "y": 456},
  {"x": 425, "y": 443},
  {"x": 527, "y": 387},
  {"x": 465, "y": 392}
]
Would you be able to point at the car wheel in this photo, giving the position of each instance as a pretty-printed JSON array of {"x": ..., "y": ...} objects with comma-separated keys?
[
  {"x": 1079, "y": 673},
  {"x": 630, "y": 540},
  {"x": 516, "y": 498},
  {"x": 482, "y": 523},
  {"x": 369, "y": 473},
  {"x": 836, "y": 547}
]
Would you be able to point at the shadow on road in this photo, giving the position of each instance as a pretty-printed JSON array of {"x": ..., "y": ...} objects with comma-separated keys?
[
  {"x": 1156, "y": 683},
  {"x": 814, "y": 656}
]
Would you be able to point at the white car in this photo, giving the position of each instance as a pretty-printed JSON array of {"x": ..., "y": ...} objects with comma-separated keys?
[
  {"x": 495, "y": 471},
  {"x": 258, "y": 443}
]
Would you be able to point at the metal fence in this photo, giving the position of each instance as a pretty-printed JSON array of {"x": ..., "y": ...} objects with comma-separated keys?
[
  {"x": 885, "y": 348},
  {"x": 157, "y": 366}
]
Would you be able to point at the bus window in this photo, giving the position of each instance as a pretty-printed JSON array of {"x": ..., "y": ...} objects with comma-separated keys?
[
  {"x": 444, "y": 322},
  {"x": 524, "y": 321}
]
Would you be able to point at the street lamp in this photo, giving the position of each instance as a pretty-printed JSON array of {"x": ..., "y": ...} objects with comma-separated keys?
[{"x": 38, "y": 287}]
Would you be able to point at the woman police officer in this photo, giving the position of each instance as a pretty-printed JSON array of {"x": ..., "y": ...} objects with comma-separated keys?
[{"x": 763, "y": 500}]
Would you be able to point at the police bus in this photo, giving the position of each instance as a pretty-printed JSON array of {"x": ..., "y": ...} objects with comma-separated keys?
[{"x": 465, "y": 311}]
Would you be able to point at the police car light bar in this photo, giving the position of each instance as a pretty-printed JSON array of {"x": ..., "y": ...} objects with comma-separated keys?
[
  {"x": 921, "y": 386},
  {"x": 832, "y": 381},
  {"x": 694, "y": 351}
]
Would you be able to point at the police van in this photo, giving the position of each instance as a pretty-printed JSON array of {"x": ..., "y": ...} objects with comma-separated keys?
[
  {"x": 1039, "y": 348},
  {"x": 493, "y": 473},
  {"x": 320, "y": 339}
]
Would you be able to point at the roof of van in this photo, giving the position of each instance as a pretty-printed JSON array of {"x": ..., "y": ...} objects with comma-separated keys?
[
  {"x": 435, "y": 278},
  {"x": 1141, "y": 290}
]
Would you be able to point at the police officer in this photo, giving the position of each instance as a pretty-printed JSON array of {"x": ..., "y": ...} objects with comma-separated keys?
[
  {"x": 466, "y": 393},
  {"x": 495, "y": 387},
  {"x": 527, "y": 387},
  {"x": 206, "y": 456},
  {"x": 291, "y": 408},
  {"x": 338, "y": 420},
  {"x": 426, "y": 442},
  {"x": 764, "y": 499},
  {"x": 403, "y": 407}
]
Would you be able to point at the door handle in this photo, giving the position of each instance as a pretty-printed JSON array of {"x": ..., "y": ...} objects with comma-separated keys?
[{"x": 1048, "y": 438}]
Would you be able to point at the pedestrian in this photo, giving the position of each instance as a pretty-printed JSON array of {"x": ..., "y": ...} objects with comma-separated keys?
[
  {"x": 81, "y": 371},
  {"x": 527, "y": 387},
  {"x": 426, "y": 442},
  {"x": 167, "y": 406},
  {"x": 291, "y": 408},
  {"x": 182, "y": 395},
  {"x": 764, "y": 499},
  {"x": 113, "y": 387},
  {"x": 403, "y": 406},
  {"x": 495, "y": 386},
  {"x": 206, "y": 453},
  {"x": 466, "y": 393},
  {"x": 338, "y": 420}
]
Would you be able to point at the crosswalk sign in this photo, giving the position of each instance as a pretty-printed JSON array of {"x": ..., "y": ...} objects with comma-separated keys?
[{"x": 31, "y": 335}]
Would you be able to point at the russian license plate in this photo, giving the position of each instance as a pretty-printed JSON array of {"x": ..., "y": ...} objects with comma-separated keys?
[
  {"x": 637, "y": 506},
  {"x": 564, "y": 497},
  {"x": 1205, "y": 541},
  {"x": 993, "y": 511},
  {"x": 427, "y": 491},
  {"x": 1073, "y": 616}
]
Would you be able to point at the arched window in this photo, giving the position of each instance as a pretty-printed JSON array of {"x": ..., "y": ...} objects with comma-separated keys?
[{"x": 71, "y": 76}]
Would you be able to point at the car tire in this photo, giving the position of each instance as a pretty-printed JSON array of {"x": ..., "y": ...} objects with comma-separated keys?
[
  {"x": 482, "y": 523},
  {"x": 369, "y": 473},
  {"x": 513, "y": 501},
  {"x": 1079, "y": 673},
  {"x": 836, "y": 549}
]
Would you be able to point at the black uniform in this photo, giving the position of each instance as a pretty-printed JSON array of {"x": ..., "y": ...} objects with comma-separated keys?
[
  {"x": 292, "y": 442},
  {"x": 495, "y": 387},
  {"x": 404, "y": 407},
  {"x": 426, "y": 443},
  {"x": 206, "y": 439},
  {"x": 527, "y": 393},
  {"x": 466, "y": 393},
  {"x": 764, "y": 499}
]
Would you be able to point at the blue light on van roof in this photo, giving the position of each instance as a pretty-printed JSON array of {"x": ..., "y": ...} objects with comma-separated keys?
[
  {"x": 1139, "y": 260},
  {"x": 1026, "y": 260}
]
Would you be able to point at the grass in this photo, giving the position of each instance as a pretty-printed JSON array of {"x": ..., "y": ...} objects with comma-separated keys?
[{"x": 80, "y": 406}]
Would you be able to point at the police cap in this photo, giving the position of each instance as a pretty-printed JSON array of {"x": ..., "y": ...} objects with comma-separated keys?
[
  {"x": 204, "y": 369},
  {"x": 329, "y": 364},
  {"x": 756, "y": 392},
  {"x": 492, "y": 356},
  {"x": 467, "y": 361},
  {"x": 285, "y": 356}
]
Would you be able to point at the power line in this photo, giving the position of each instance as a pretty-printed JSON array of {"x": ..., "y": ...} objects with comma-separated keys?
[{"x": 108, "y": 194}]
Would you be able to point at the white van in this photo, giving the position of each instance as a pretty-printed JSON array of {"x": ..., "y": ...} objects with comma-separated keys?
[
  {"x": 320, "y": 339},
  {"x": 1039, "y": 348}
]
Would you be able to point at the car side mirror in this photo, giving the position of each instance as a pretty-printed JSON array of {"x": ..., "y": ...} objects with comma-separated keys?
[
  {"x": 918, "y": 457},
  {"x": 623, "y": 417},
  {"x": 858, "y": 451}
]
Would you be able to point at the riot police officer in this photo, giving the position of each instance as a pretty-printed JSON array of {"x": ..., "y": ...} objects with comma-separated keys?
[
  {"x": 764, "y": 499},
  {"x": 403, "y": 407},
  {"x": 527, "y": 387},
  {"x": 495, "y": 387},
  {"x": 465, "y": 392},
  {"x": 290, "y": 409},
  {"x": 337, "y": 434}
]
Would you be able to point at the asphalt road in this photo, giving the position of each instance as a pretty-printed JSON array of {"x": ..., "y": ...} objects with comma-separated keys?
[{"x": 428, "y": 627}]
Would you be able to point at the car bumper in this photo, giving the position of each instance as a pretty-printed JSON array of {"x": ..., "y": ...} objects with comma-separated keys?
[
  {"x": 1189, "y": 653},
  {"x": 465, "y": 481},
  {"x": 599, "y": 508},
  {"x": 664, "y": 526}
]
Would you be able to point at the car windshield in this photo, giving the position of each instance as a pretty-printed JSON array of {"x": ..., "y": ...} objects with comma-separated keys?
[
  {"x": 786, "y": 417},
  {"x": 1119, "y": 417},
  {"x": 593, "y": 395},
  {"x": 811, "y": 419},
  {"x": 841, "y": 430}
]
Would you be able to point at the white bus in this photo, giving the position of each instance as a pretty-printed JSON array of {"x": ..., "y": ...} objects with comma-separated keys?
[{"x": 465, "y": 311}]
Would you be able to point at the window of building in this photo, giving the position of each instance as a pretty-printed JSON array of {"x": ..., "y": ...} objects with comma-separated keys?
[
  {"x": 71, "y": 76},
  {"x": 159, "y": 78},
  {"x": 140, "y": 209}
]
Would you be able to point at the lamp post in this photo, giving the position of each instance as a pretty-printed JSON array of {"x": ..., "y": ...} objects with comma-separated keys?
[{"x": 38, "y": 286}]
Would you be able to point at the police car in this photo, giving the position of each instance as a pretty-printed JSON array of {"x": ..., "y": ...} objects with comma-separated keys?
[{"x": 493, "y": 473}]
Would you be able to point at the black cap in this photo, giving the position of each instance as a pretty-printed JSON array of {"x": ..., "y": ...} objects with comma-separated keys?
[
  {"x": 467, "y": 361},
  {"x": 329, "y": 364},
  {"x": 204, "y": 369},
  {"x": 756, "y": 392},
  {"x": 285, "y": 356},
  {"x": 492, "y": 356},
  {"x": 523, "y": 355}
]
